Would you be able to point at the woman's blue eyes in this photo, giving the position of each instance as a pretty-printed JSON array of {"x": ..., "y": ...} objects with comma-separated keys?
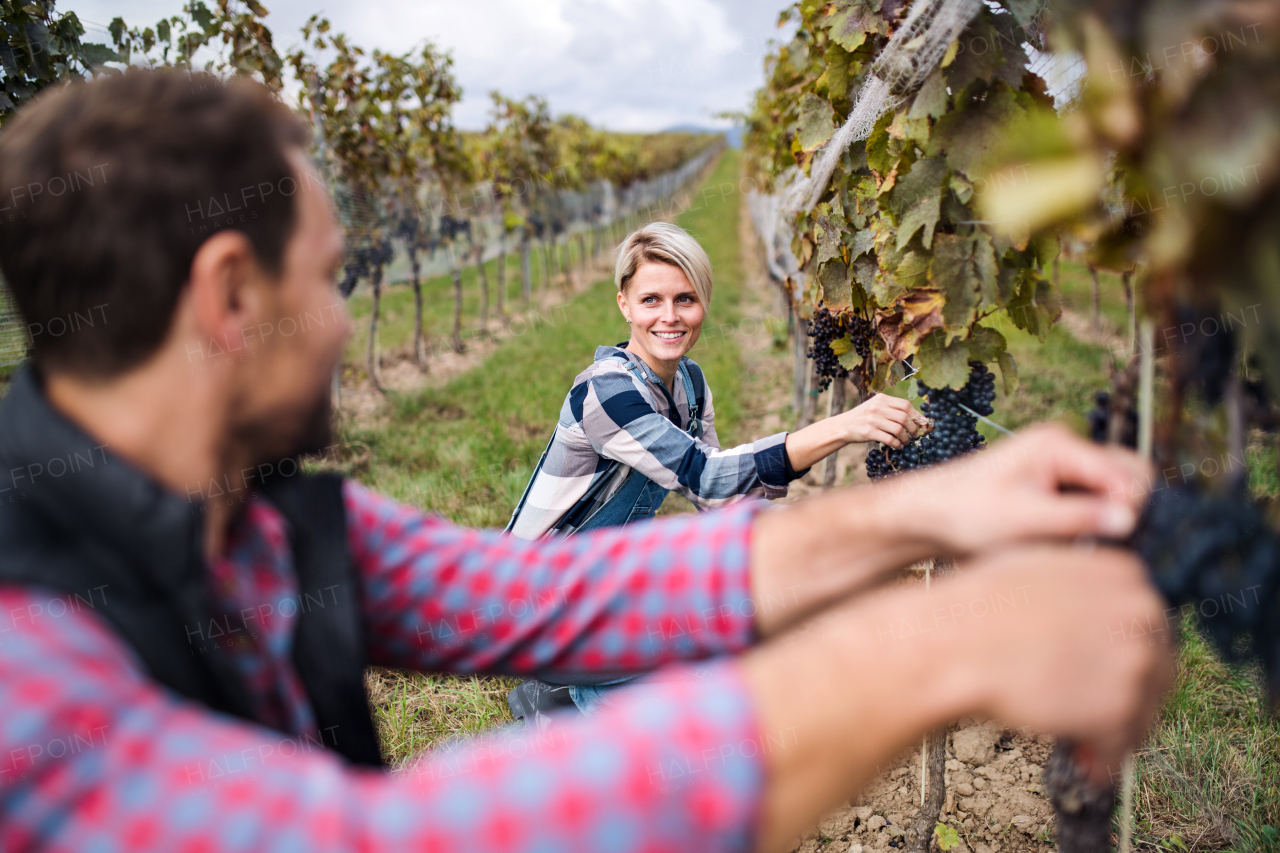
[{"x": 686, "y": 299}]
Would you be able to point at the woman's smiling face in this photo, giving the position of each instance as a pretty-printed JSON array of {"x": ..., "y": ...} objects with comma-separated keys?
[{"x": 664, "y": 312}]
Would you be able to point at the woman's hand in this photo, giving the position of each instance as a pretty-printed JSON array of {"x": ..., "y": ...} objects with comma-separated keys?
[{"x": 888, "y": 420}]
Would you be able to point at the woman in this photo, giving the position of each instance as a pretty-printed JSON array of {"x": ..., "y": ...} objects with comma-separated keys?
[{"x": 639, "y": 423}]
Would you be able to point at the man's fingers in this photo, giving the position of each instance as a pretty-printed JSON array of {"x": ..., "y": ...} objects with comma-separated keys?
[
  {"x": 1066, "y": 516},
  {"x": 1118, "y": 474}
]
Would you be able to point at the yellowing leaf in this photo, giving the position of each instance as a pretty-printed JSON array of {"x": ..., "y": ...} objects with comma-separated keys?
[
  {"x": 1031, "y": 196},
  {"x": 840, "y": 346},
  {"x": 909, "y": 321},
  {"x": 836, "y": 284}
]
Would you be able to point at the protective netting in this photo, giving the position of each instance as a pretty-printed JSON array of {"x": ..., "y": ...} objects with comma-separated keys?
[{"x": 911, "y": 55}]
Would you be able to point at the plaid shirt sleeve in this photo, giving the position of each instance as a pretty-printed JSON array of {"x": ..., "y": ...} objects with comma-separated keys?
[
  {"x": 620, "y": 600},
  {"x": 96, "y": 756}
]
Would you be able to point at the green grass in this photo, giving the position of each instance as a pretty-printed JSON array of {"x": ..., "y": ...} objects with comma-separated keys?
[{"x": 1207, "y": 777}]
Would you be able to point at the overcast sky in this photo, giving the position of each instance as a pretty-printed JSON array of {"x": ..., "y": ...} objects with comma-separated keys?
[{"x": 640, "y": 65}]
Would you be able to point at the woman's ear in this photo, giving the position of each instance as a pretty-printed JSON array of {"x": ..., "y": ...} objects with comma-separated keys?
[{"x": 622, "y": 306}]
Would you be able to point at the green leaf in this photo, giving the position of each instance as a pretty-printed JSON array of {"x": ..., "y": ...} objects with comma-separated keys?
[
  {"x": 964, "y": 269},
  {"x": 878, "y": 156},
  {"x": 816, "y": 123},
  {"x": 863, "y": 241},
  {"x": 836, "y": 76},
  {"x": 943, "y": 366},
  {"x": 931, "y": 100},
  {"x": 851, "y": 25},
  {"x": 1008, "y": 373},
  {"x": 829, "y": 238},
  {"x": 972, "y": 138},
  {"x": 864, "y": 273},
  {"x": 1035, "y": 307},
  {"x": 916, "y": 199},
  {"x": 96, "y": 54},
  {"x": 850, "y": 359},
  {"x": 946, "y": 836},
  {"x": 985, "y": 344},
  {"x": 840, "y": 346},
  {"x": 980, "y": 56},
  {"x": 1025, "y": 11}
]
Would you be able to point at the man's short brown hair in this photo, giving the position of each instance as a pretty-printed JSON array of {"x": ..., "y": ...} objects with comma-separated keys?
[{"x": 108, "y": 189}]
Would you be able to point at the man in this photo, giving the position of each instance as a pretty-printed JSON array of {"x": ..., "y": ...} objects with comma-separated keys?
[{"x": 184, "y": 619}]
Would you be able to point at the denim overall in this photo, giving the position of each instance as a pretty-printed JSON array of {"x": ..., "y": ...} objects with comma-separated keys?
[{"x": 637, "y": 499}]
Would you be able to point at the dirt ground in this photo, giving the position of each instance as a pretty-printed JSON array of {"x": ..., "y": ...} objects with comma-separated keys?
[{"x": 995, "y": 799}]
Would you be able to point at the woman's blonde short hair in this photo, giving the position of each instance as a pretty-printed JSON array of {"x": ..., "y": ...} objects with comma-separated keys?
[{"x": 664, "y": 243}]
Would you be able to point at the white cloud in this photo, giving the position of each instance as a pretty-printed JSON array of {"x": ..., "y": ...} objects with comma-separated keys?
[{"x": 625, "y": 64}]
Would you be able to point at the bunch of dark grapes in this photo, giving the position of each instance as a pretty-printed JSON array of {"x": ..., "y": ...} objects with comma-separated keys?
[
  {"x": 827, "y": 326},
  {"x": 1216, "y": 554},
  {"x": 954, "y": 433},
  {"x": 1100, "y": 420}
]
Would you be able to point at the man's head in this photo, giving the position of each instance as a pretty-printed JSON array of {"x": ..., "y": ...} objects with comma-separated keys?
[{"x": 158, "y": 216}]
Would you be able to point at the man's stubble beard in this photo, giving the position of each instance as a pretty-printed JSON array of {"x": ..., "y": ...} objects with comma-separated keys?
[{"x": 268, "y": 445}]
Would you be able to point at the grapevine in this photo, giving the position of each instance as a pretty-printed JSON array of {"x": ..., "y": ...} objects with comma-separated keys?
[{"x": 954, "y": 432}]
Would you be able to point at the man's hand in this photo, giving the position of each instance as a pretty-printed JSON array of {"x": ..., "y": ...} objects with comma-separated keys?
[
  {"x": 888, "y": 420},
  {"x": 1070, "y": 641},
  {"x": 1044, "y": 484},
  {"x": 1066, "y": 640}
]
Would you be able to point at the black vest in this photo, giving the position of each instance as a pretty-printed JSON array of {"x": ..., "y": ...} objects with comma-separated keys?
[{"x": 79, "y": 520}]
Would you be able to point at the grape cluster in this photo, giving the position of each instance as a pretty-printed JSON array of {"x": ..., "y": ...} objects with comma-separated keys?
[
  {"x": 1100, "y": 419},
  {"x": 827, "y": 326},
  {"x": 1215, "y": 553},
  {"x": 954, "y": 433}
]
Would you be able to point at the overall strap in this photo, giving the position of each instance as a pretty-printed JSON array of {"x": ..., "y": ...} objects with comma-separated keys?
[{"x": 695, "y": 401}]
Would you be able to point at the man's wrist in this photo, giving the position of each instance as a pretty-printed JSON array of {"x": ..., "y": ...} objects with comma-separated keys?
[{"x": 905, "y": 509}]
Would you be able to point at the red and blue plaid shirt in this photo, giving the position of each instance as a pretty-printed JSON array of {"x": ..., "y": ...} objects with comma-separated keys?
[{"x": 95, "y": 756}]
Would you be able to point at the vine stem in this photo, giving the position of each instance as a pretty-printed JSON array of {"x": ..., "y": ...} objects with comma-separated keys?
[
  {"x": 924, "y": 741},
  {"x": 1146, "y": 404}
]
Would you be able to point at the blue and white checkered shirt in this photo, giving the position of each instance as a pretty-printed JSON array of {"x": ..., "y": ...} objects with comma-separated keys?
[{"x": 629, "y": 416}]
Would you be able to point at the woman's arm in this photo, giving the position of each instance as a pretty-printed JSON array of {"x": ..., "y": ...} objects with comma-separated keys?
[
  {"x": 620, "y": 423},
  {"x": 888, "y": 420}
]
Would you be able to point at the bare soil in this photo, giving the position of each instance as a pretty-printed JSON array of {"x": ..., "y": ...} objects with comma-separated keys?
[{"x": 995, "y": 799}]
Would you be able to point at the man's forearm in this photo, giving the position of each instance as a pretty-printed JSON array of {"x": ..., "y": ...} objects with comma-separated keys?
[
  {"x": 816, "y": 685},
  {"x": 808, "y": 555}
]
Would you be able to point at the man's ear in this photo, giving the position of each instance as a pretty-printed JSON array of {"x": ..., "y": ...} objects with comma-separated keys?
[{"x": 227, "y": 295}]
